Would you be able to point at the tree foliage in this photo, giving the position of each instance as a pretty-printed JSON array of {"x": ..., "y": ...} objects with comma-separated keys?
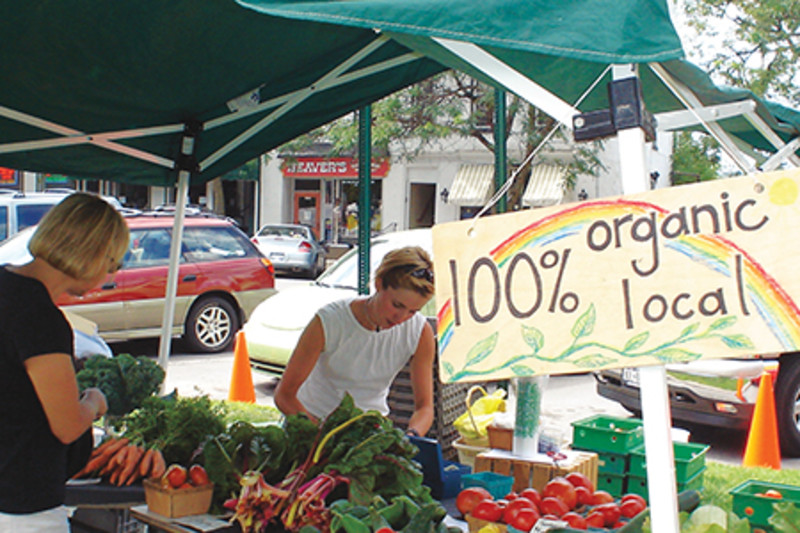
[
  {"x": 762, "y": 52},
  {"x": 694, "y": 158}
]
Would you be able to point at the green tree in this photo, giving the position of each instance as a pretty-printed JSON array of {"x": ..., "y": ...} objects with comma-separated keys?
[
  {"x": 441, "y": 107},
  {"x": 695, "y": 158},
  {"x": 763, "y": 51}
]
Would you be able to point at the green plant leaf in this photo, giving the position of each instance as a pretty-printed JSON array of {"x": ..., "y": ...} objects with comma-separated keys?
[
  {"x": 482, "y": 349},
  {"x": 722, "y": 323},
  {"x": 522, "y": 370},
  {"x": 593, "y": 361},
  {"x": 585, "y": 324},
  {"x": 533, "y": 337},
  {"x": 785, "y": 518},
  {"x": 676, "y": 355},
  {"x": 737, "y": 341},
  {"x": 636, "y": 341},
  {"x": 688, "y": 330}
]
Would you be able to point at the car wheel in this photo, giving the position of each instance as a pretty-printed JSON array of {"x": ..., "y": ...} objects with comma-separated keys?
[
  {"x": 211, "y": 325},
  {"x": 787, "y": 404}
]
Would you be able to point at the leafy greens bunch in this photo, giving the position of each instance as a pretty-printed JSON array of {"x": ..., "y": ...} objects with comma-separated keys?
[{"x": 125, "y": 380}]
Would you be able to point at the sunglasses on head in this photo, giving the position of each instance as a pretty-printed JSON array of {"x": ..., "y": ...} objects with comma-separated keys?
[{"x": 420, "y": 273}]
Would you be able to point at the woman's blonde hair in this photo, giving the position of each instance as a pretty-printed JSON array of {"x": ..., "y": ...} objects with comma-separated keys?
[
  {"x": 407, "y": 268},
  {"x": 83, "y": 236}
]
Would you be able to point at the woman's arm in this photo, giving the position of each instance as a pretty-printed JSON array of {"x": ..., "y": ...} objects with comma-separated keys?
[
  {"x": 303, "y": 359},
  {"x": 421, "y": 370},
  {"x": 53, "y": 378}
]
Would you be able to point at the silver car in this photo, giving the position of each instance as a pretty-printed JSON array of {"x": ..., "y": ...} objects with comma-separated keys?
[{"x": 292, "y": 248}]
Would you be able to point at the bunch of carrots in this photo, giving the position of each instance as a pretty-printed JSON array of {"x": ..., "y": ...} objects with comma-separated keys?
[{"x": 123, "y": 462}]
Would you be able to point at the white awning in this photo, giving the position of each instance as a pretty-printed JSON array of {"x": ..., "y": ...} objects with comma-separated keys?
[
  {"x": 473, "y": 185},
  {"x": 545, "y": 186}
]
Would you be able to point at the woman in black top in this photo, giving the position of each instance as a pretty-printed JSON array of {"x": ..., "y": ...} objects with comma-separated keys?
[{"x": 79, "y": 243}]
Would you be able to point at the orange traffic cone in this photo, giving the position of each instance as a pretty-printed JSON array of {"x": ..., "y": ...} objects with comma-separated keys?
[
  {"x": 763, "y": 448},
  {"x": 242, "y": 389}
]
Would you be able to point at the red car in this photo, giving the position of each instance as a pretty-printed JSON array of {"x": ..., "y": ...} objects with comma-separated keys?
[{"x": 222, "y": 277}]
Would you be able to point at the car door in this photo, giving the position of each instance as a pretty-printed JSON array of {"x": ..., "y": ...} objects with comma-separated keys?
[{"x": 144, "y": 283}]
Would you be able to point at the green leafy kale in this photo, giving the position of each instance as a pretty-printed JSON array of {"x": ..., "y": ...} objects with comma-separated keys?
[{"x": 125, "y": 380}]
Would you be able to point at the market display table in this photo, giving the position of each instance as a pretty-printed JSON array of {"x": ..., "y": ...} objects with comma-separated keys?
[
  {"x": 203, "y": 523},
  {"x": 101, "y": 507}
]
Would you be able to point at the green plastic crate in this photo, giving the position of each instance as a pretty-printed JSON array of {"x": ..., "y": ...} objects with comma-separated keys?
[
  {"x": 638, "y": 484},
  {"x": 690, "y": 458},
  {"x": 614, "y": 484},
  {"x": 612, "y": 463},
  {"x": 758, "y": 509},
  {"x": 602, "y": 433}
]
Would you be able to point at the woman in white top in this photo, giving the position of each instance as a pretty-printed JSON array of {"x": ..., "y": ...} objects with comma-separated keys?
[{"x": 359, "y": 345}]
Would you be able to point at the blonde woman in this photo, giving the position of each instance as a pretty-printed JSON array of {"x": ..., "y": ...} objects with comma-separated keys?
[
  {"x": 359, "y": 345},
  {"x": 78, "y": 244}
]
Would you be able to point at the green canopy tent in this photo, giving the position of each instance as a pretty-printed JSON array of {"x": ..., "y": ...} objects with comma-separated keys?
[{"x": 165, "y": 92}]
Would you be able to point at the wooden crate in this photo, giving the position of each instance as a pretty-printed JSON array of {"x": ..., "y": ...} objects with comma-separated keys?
[{"x": 538, "y": 470}]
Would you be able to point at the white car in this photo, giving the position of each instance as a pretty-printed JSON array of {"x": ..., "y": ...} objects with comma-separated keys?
[{"x": 276, "y": 324}]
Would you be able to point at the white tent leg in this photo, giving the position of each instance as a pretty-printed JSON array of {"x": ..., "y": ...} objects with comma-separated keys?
[
  {"x": 172, "y": 274},
  {"x": 661, "y": 487}
]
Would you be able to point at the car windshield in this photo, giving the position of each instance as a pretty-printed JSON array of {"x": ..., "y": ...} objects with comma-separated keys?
[
  {"x": 344, "y": 273},
  {"x": 292, "y": 232},
  {"x": 14, "y": 250}
]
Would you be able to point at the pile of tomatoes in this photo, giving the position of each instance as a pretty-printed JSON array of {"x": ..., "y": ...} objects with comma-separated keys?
[{"x": 572, "y": 499}]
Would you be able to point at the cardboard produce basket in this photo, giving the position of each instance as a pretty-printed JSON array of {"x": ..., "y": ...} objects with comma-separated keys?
[{"x": 175, "y": 503}]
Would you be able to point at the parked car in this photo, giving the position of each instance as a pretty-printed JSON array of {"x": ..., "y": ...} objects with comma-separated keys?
[
  {"x": 19, "y": 210},
  {"x": 221, "y": 278},
  {"x": 276, "y": 324},
  {"x": 291, "y": 248},
  {"x": 718, "y": 393}
]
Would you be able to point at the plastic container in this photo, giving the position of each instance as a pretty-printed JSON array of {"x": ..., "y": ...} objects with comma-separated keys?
[
  {"x": 614, "y": 484},
  {"x": 690, "y": 458},
  {"x": 750, "y": 502},
  {"x": 467, "y": 453},
  {"x": 638, "y": 484},
  {"x": 607, "y": 434},
  {"x": 498, "y": 485},
  {"x": 611, "y": 463}
]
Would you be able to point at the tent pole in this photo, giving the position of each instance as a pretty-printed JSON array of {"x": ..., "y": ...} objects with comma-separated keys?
[
  {"x": 172, "y": 273},
  {"x": 364, "y": 196},
  {"x": 500, "y": 161},
  {"x": 653, "y": 386}
]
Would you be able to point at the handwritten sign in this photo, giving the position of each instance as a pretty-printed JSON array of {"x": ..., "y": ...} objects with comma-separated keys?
[{"x": 674, "y": 275}]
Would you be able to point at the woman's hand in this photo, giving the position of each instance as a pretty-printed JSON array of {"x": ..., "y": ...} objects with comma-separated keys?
[{"x": 95, "y": 399}]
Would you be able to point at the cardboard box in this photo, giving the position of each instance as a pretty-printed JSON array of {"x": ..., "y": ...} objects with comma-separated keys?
[
  {"x": 500, "y": 438},
  {"x": 536, "y": 471},
  {"x": 174, "y": 503}
]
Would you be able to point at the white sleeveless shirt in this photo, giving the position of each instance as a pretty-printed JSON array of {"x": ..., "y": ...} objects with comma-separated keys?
[{"x": 357, "y": 360}]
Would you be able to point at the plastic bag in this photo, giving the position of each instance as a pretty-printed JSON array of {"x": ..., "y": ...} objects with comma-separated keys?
[{"x": 473, "y": 423}]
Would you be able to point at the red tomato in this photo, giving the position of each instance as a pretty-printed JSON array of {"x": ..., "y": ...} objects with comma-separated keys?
[
  {"x": 551, "y": 505},
  {"x": 595, "y": 519},
  {"x": 512, "y": 509},
  {"x": 630, "y": 508},
  {"x": 584, "y": 495},
  {"x": 510, "y": 496},
  {"x": 600, "y": 497},
  {"x": 488, "y": 510},
  {"x": 532, "y": 495},
  {"x": 525, "y": 520},
  {"x": 579, "y": 479},
  {"x": 198, "y": 476},
  {"x": 634, "y": 496},
  {"x": 468, "y": 498},
  {"x": 175, "y": 475},
  {"x": 575, "y": 520},
  {"x": 385, "y": 530},
  {"x": 562, "y": 489},
  {"x": 611, "y": 512}
]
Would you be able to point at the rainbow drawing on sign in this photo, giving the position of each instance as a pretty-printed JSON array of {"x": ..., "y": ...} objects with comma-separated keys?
[{"x": 775, "y": 307}]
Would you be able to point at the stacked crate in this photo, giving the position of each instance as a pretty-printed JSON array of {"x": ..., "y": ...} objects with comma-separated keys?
[
  {"x": 613, "y": 439},
  {"x": 690, "y": 463}
]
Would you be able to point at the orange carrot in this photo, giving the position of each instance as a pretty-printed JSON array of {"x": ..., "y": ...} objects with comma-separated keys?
[
  {"x": 131, "y": 464},
  {"x": 114, "y": 447},
  {"x": 159, "y": 464},
  {"x": 115, "y": 460},
  {"x": 102, "y": 446},
  {"x": 147, "y": 462}
]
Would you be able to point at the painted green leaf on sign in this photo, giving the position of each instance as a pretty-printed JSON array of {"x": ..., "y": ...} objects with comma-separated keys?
[
  {"x": 533, "y": 337},
  {"x": 585, "y": 324}
]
